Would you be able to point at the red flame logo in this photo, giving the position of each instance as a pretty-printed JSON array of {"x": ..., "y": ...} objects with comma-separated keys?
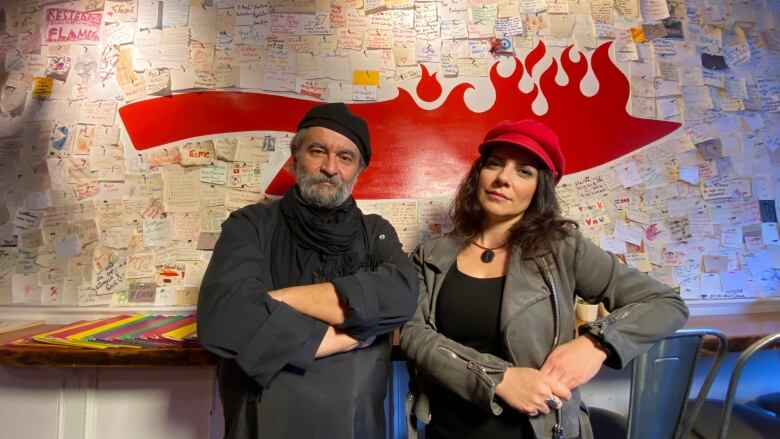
[{"x": 421, "y": 153}]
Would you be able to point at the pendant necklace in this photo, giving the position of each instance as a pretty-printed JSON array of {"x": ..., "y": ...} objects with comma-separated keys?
[{"x": 488, "y": 254}]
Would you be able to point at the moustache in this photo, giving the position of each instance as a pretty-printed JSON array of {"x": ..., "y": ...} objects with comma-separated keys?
[{"x": 321, "y": 178}]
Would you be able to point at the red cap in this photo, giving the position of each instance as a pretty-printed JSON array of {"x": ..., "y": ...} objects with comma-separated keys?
[{"x": 532, "y": 135}]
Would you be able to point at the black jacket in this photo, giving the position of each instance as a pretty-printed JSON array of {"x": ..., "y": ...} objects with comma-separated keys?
[{"x": 270, "y": 384}]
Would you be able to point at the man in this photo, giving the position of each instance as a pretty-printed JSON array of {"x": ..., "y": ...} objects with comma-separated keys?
[{"x": 300, "y": 297}]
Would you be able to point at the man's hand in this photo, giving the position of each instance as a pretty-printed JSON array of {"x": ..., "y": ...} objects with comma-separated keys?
[
  {"x": 527, "y": 390},
  {"x": 574, "y": 363},
  {"x": 319, "y": 301},
  {"x": 367, "y": 342},
  {"x": 336, "y": 342}
]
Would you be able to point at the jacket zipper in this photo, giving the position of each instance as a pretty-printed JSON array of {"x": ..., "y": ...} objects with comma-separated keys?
[
  {"x": 602, "y": 325},
  {"x": 471, "y": 364}
]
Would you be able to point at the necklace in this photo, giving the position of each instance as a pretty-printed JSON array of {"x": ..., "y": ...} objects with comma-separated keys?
[{"x": 488, "y": 254}]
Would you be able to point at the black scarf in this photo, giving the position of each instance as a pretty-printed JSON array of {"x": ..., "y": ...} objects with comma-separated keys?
[{"x": 309, "y": 246}]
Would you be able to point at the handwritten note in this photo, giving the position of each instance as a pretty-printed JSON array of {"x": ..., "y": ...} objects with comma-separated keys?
[
  {"x": 653, "y": 10},
  {"x": 72, "y": 26},
  {"x": 25, "y": 290},
  {"x": 178, "y": 195},
  {"x": 198, "y": 153},
  {"x": 175, "y": 13},
  {"x": 111, "y": 279},
  {"x": 157, "y": 232}
]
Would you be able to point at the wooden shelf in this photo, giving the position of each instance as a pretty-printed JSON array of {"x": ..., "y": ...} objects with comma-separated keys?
[
  {"x": 60, "y": 356},
  {"x": 741, "y": 330}
]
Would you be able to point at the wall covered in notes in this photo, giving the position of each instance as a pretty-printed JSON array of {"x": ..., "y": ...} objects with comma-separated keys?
[{"x": 130, "y": 129}]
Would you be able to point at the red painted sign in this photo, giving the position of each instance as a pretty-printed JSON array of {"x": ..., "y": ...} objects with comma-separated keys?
[{"x": 422, "y": 153}]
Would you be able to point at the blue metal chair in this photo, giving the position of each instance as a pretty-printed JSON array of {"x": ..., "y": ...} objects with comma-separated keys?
[
  {"x": 770, "y": 402},
  {"x": 739, "y": 420},
  {"x": 660, "y": 384}
]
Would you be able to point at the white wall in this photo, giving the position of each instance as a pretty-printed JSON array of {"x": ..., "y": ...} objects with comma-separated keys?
[
  {"x": 108, "y": 403},
  {"x": 182, "y": 402}
]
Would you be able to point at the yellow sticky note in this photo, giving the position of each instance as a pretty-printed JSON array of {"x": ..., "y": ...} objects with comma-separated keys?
[
  {"x": 365, "y": 77},
  {"x": 42, "y": 87},
  {"x": 637, "y": 34}
]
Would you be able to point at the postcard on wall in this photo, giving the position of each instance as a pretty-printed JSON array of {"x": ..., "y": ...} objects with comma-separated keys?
[{"x": 243, "y": 175}]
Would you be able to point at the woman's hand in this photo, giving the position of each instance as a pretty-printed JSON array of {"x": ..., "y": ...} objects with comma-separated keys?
[
  {"x": 576, "y": 362},
  {"x": 527, "y": 390}
]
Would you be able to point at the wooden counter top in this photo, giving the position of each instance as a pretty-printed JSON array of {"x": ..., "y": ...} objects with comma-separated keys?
[
  {"x": 741, "y": 330},
  {"x": 60, "y": 356}
]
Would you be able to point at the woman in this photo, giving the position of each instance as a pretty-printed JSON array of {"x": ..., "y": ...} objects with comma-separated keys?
[{"x": 492, "y": 344}]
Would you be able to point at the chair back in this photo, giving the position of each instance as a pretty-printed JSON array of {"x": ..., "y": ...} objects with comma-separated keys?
[
  {"x": 661, "y": 382},
  {"x": 728, "y": 404}
]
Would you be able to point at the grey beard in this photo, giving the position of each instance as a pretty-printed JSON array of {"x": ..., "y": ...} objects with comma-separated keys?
[{"x": 325, "y": 199}]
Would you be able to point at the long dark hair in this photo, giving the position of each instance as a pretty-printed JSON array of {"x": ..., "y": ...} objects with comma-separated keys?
[{"x": 540, "y": 226}]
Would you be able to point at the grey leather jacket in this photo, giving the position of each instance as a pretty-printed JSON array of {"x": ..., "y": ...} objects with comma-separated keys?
[{"x": 642, "y": 310}]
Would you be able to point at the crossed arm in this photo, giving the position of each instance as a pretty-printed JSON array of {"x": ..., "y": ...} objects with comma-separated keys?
[
  {"x": 266, "y": 330},
  {"x": 321, "y": 302}
]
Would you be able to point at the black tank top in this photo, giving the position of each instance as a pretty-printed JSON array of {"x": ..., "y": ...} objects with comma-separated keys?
[{"x": 468, "y": 311}]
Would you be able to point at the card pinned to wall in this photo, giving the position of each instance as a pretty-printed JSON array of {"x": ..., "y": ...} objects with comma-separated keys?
[
  {"x": 25, "y": 289},
  {"x": 42, "y": 87},
  {"x": 215, "y": 174},
  {"x": 594, "y": 215},
  {"x": 142, "y": 293},
  {"x": 629, "y": 233},
  {"x": 714, "y": 264},
  {"x": 365, "y": 85},
  {"x": 169, "y": 274},
  {"x": 71, "y": 26},
  {"x": 629, "y": 174},
  {"x": 711, "y": 149},
  {"x": 612, "y": 244},
  {"x": 68, "y": 247},
  {"x": 111, "y": 279},
  {"x": 689, "y": 174},
  {"x": 738, "y": 283},
  {"x": 197, "y": 153},
  {"x": 639, "y": 261},
  {"x": 625, "y": 47},
  {"x": 736, "y": 188},
  {"x": 769, "y": 233},
  {"x": 711, "y": 287}
]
